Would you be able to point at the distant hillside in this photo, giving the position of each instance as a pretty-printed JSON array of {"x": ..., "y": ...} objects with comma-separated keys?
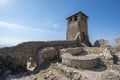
[{"x": 1, "y": 46}]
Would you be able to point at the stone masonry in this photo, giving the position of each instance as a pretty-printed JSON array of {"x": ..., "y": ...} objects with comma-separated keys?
[
  {"x": 81, "y": 57},
  {"x": 77, "y": 28},
  {"x": 101, "y": 43},
  {"x": 117, "y": 42},
  {"x": 18, "y": 56},
  {"x": 74, "y": 52}
]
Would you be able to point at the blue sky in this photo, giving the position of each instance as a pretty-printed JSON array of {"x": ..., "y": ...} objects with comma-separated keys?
[{"x": 36, "y": 20}]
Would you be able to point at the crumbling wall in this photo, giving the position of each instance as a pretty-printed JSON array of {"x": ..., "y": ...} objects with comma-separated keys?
[
  {"x": 84, "y": 62},
  {"x": 101, "y": 43},
  {"x": 94, "y": 50},
  {"x": 27, "y": 51},
  {"x": 117, "y": 45},
  {"x": 89, "y": 50},
  {"x": 81, "y": 57},
  {"x": 117, "y": 42}
]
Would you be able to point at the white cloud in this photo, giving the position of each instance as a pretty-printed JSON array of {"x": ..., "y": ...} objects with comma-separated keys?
[
  {"x": 17, "y": 33},
  {"x": 54, "y": 25},
  {"x": 17, "y": 27},
  {"x": 13, "y": 34}
]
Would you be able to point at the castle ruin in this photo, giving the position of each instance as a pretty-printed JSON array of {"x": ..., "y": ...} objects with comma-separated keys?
[
  {"x": 73, "y": 56},
  {"x": 77, "y": 28}
]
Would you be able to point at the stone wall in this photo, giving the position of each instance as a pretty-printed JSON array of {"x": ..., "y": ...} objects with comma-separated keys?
[
  {"x": 101, "y": 43},
  {"x": 89, "y": 50},
  {"x": 77, "y": 28},
  {"x": 117, "y": 42},
  {"x": 117, "y": 45},
  {"x": 18, "y": 56},
  {"x": 116, "y": 49},
  {"x": 84, "y": 62},
  {"x": 86, "y": 57},
  {"x": 81, "y": 57},
  {"x": 94, "y": 50}
]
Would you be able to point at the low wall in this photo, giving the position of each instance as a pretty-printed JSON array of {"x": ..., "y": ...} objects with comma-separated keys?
[
  {"x": 94, "y": 50},
  {"x": 117, "y": 49},
  {"x": 84, "y": 62},
  {"x": 89, "y": 50},
  {"x": 81, "y": 57},
  {"x": 76, "y": 57},
  {"x": 27, "y": 51}
]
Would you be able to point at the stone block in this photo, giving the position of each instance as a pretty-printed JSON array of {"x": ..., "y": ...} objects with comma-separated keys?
[
  {"x": 117, "y": 42},
  {"x": 101, "y": 43}
]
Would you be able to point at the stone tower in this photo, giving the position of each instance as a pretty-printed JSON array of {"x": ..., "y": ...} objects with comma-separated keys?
[{"x": 77, "y": 28}]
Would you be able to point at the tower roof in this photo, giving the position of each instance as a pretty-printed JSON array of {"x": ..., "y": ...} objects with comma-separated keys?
[{"x": 80, "y": 12}]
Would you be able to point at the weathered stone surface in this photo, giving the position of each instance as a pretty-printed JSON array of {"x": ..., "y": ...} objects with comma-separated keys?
[
  {"x": 117, "y": 42},
  {"x": 117, "y": 45},
  {"x": 18, "y": 56},
  {"x": 117, "y": 49},
  {"x": 115, "y": 67},
  {"x": 84, "y": 62},
  {"x": 101, "y": 43},
  {"x": 107, "y": 54},
  {"x": 87, "y": 50},
  {"x": 106, "y": 58},
  {"x": 8, "y": 63},
  {"x": 46, "y": 54},
  {"x": 74, "y": 26},
  {"x": 73, "y": 51},
  {"x": 70, "y": 73},
  {"x": 78, "y": 58},
  {"x": 111, "y": 76},
  {"x": 50, "y": 76},
  {"x": 77, "y": 77},
  {"x": 77, "y": 28}
]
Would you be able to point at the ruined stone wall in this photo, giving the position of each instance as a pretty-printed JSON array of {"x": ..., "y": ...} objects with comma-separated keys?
[
  {"x": 83, "y": 28},
  {"x": 27, "y": 51},
  {"x": 77, "y": 28},
  {"x": 101, "y": 43},
  {"x": 72, "y": 30},
  {"x": 87, "y": 57},
  {"x": 84, "y": 62},
  {"x": 94, "y": 50},
  {"x": 81, "y": 57},
  {"x": 117, "y": 45},
  {"x": 117, "y": 49},
  {"x": 117, "y": 42},
  {"x": 89, "y": 50}
]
